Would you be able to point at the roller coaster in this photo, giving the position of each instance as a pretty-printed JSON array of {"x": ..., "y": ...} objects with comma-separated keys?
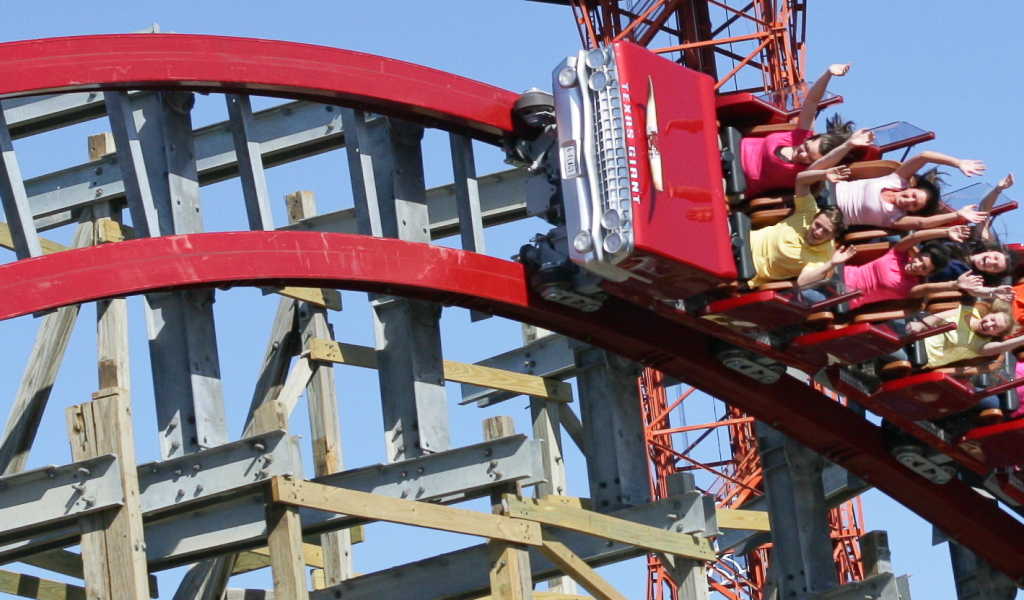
[{"x": 626, "y": 163}]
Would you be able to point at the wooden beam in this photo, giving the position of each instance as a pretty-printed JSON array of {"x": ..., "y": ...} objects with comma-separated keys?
[
  {"x": 113, "y": 541},
  {"x": 321, "y": 297},
  {"x": 619, "y": 530},
  {"x": 322, "y": 400},
  {"x": 746, "y": 520},
  {"x": 69, "y": 563},
  {"x": 313, "y": 554},
  {"x": 499, "y": 379},
  {"x": 285, "y": 528},
  {"x": 40, "y": 373},
  {"x": 101, "y": 145},
  {"x": 509, "y": 564},
  {"x": 27, "y": 586},
  {"x": 574, "y": 567},
  {"x": 295, "y": 384},
  {"x": 407, "y": 512},
  {"x": 7, "y": 241}
]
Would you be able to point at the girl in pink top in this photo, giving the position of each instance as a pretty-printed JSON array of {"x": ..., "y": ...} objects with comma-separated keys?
[
  {"x": 897, "y": 275},
  {"x": 773, "y": 162}
]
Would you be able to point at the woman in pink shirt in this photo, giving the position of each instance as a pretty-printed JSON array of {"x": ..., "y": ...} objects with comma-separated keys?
[
  {"x": 896, "y": 275},
  {"x": 774, "y": 161}
]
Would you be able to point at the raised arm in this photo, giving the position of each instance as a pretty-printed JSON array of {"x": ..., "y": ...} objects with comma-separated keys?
[
  {"x": 839, "y": 256},
  {"x": 814, "y": 95},
  {"x": 860, "y": 138},
  {"x": 984, "y": 232},
  {"x": 957, "y": 233},
  {"x": 912, "y": 222},
  {"x": 807, "y": 178},
  {"x": 967, "y": 282},
  {"x": 969, "y": 168},
  {"x": 997, "y": 348}
]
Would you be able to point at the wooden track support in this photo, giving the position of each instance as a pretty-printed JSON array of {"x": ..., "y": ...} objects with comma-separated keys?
[
  {"x": 322, "y": 398},
  {"x": 531, "y": 385},
  {"x": 113, "y": 541},
  {"x": 510, "y": 572}
]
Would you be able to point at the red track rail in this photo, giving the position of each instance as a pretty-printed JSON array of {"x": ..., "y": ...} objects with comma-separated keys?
[
  {"x": 455, "y": 277},
  {"x": 271, "y": 68}
]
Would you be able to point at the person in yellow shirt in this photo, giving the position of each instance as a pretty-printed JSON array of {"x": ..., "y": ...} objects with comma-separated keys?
[
  {"x": 801, "y": 246},
  {"x": 977, "y": 334}
]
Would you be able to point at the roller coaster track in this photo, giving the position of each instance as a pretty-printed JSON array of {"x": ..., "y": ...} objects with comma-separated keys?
[{"x": 652, "y": 333}]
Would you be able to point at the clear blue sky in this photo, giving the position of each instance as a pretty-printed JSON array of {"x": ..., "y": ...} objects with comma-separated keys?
[{"x": 949, "y": 69}]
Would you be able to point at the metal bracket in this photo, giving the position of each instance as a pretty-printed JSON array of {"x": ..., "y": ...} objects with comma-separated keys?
[
  {"x": 219, "y": 470},
  {"x": 51, "y": 496}
]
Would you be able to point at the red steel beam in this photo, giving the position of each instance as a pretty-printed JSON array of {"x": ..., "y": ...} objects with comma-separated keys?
[
  {"x": 455, "y": 277},
  {"x": 243, "y": 65}
]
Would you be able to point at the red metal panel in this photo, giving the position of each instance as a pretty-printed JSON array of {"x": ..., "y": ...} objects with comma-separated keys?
[
  {"x": 997, "y": 446},
  {"x": 927, "y": 396},
  {"x": 471, "y": 280},
  {"x": 273, "y": 68},
  {"x": 681, "y": 234},
  {"x": 853, "y": 344}
]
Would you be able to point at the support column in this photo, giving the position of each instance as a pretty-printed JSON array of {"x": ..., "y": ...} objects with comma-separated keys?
[
  {"x": 183, "y": 342},
  {"x": 510, "y": 573},
  {"x": 287, "y": 561},
  {"x": 802, "y": 565},
  {"x": 690, "y": 576},
  {"x": 613, "y": 429},
  {"x": 111, "y": 315},
  {"x": 386, "y": 163},
  {"x": 322, "y": 397},
  {"x": 113, "y": 541},
  {"x": 976, "y": 579}
]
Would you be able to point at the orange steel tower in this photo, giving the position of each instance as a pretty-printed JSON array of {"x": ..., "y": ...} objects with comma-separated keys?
[
  {"x": 755, "y": 46},
  {"x": 730, "y": 41}
]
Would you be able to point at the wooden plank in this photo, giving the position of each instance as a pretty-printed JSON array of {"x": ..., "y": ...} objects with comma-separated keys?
[
  {"x": 40, "y": 374},
  {"x": 509, "y": 571},
  {"x": 747, "y": 520},
  {"x": 689, "y": 576},
  {"x": 322, "y": 297},
  {"x": 249, "y": 561},
  {"x": 285, "y": 528},
  {"x": 113, "y": 544},
  {"x": 109, "y": 231},
  {"x": 286, "y": 562},
  {"x": 322, "y": 400},
  {"x": 573, "y": 566},
  {"x": 101, "y": 145},
  {"x": 342, "y": 353},
  {"x": 603, "y": 526},
  {"x": 407, "y": 512},
  {"x": 69, "y": 563},
  {"x": 7, "y": 241},
  {"x": 295, "y": 384},
  {"x": 27, "y": 586},
  {"x": 313, "y": 554},
  {"x": 499, "y": 379}
]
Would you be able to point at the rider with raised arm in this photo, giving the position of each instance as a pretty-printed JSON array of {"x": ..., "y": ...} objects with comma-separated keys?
[
  {"x": 801, "y": 245},
  {"x": 774, "y": 161},
  {"x": 905, "y": 199},
  {"x": 897, "y": 275}
]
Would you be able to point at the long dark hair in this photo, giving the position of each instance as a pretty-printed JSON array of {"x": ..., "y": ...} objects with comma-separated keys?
[
  {"x": 964, "y": 252},
  {"x": 939, "y": 254},
  {"x": 931, "y": 182},
  {"x": 836, "y": 133}
]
